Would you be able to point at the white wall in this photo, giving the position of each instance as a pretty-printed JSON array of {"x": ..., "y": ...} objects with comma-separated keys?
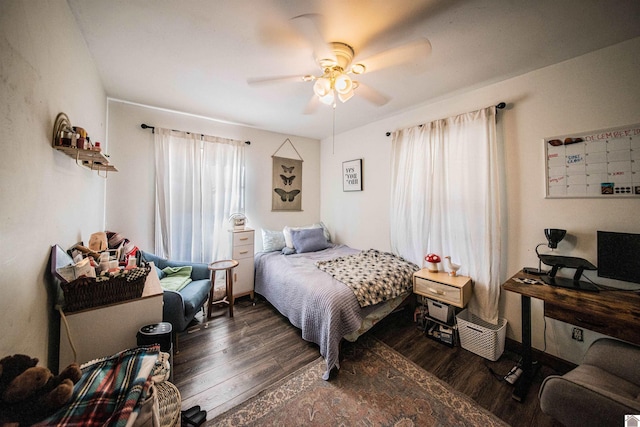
[
  {"x": 45, "y": 198},
  {"x": 130, "y": 192},
  {"x": 595, "y": 91}
]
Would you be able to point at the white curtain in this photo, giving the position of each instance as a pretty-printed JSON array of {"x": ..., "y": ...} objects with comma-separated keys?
[
  {"x": 445, "y": 199},
  {"x": 199, "y": 184}
]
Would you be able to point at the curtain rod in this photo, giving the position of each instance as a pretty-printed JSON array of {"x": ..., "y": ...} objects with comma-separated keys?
[
  {"x": 146, "y": 126},
  {"x": 499, "y": 106}
]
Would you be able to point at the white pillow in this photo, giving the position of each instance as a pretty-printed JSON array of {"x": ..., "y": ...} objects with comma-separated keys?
[
  {"x": 287, "y": 232},
  {"x": 272, "y": 240}
]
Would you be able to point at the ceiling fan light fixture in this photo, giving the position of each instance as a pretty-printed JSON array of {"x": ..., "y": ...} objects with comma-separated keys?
[
  {"x": 344, "y": 97},
  {"x": 358, "y": 68},
  {"x": 327, "y": 63},
  {"x": 343, "y": 84},
  {"x": 322, "y": 87},
  {"x": 328, "y": 99}
]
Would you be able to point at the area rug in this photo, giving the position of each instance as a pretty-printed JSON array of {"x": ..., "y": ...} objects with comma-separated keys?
[{"x": 375, "y": 386}]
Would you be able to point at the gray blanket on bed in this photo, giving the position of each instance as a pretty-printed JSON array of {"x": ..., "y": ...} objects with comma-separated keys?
[
  {"x": 373, "y": 276},
  {"x": 322, "y": 307}
]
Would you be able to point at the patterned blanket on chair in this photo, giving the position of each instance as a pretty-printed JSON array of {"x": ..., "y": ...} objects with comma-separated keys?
[
  {"x": 372, "y": 275},
  {"x": 109, "y": 390}
]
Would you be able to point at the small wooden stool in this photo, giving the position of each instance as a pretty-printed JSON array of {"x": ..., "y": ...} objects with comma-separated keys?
[{"x": 227, "y": 265}]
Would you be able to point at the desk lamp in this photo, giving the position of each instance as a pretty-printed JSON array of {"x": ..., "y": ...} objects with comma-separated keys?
[{"x": 554, "y": 236}]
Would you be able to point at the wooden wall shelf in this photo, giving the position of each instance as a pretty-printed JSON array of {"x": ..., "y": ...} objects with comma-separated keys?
[{"x": 92, "y": 159}]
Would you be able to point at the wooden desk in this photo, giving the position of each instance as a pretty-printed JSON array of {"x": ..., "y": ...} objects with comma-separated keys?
[{"x": 613, "y": 313}]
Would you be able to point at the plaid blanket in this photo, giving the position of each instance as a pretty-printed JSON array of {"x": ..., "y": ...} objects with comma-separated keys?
[
  {"x": 109, "y": 390},
  {"x": 372, "y": 275}
]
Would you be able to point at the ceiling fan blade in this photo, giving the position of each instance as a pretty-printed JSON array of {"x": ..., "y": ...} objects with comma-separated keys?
[
  {"x": 415, "y": 52},
  {"x": 371, "y": 95},
  {"x": 312, "y": 105},
  {"x": 309, "y": 26},
  {"x": 415, "y": 20},
  {"x": 276, "y": 79}
]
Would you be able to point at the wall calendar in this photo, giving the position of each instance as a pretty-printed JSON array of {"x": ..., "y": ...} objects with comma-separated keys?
[{"x": 603, "y": 163}]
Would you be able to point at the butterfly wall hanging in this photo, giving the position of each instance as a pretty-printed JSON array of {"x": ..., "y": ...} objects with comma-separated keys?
[
  {"x": 287, "y": 184},
  {"x": 286, "y": 187}
]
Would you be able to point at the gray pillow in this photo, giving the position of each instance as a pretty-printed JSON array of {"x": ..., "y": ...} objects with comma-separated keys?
[
  {"x": 309, "y": 240},
  {"x": 272, "y": 240}
]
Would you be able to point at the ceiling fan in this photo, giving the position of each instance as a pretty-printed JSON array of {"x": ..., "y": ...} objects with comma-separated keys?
[{"x": 338, "y": 68}]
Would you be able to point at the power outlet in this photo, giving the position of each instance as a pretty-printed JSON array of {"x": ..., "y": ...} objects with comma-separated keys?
[{"x": 576, "y": 334}]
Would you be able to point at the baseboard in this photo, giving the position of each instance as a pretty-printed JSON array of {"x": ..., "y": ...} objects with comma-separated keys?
[{"x": 559, "y": 365}]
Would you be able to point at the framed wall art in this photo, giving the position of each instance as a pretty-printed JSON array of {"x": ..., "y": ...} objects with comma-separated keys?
[
  {"x": 286, "y": 181},
  {"x": 352, "y": 175},
  {"x": 287, "y": 184},
  {"x": 602, "y": 163}
]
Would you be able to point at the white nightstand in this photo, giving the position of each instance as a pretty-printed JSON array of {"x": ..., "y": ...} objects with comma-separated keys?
[{"x": 242, "y": 247}]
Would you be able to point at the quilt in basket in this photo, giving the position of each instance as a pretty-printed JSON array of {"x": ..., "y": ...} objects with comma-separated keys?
[
  {"x": 109, "y": 390},
  {"x": 373, "y": 276}
]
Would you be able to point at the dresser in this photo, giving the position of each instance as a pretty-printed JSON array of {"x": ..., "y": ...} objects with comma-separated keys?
[{"x": 242, "y": 248}]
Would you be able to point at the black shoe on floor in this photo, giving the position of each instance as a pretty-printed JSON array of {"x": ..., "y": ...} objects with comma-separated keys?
[{"x": 193, "y": 417}]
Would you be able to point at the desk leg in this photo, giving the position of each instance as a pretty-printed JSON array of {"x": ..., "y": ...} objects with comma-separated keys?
[{"x": 528, "y": 369}]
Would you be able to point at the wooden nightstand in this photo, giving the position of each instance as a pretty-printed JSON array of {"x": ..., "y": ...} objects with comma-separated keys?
[
  {"x": 439, "y": 296},
  {"x": 453, "y": 290}
]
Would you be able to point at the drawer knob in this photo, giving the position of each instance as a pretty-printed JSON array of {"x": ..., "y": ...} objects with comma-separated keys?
[
  {"x": 244, "y": 238},
  {"x": 243, "y": 252},
  {"x": 436, "y": 291}
]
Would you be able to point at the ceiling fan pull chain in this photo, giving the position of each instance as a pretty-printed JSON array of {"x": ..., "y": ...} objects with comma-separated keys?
[{"x": 333, "y": 138}]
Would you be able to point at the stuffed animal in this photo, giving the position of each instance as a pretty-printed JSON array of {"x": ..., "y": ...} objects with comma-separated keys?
[{"x": 30, "y": 393}]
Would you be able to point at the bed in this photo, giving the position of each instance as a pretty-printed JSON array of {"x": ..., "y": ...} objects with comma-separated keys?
[{"x": 305, "y": 288}]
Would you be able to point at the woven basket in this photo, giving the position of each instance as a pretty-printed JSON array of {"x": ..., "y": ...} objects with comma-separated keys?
[
  {"x": 169, "y": 402},
  {"x": 480, "y": 337},
  {"x": 87, "y": 292}
]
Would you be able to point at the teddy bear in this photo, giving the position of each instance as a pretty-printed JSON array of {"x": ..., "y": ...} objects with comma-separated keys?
[{"x": 30, "y": 393}]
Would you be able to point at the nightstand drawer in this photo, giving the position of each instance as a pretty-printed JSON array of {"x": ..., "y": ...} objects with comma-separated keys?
[
  {"x": 438, "y": 291},
  {"x": 240, "y": 252},
  {"x": 441, "y": 287},
  {"x": 242, "y": 238}
]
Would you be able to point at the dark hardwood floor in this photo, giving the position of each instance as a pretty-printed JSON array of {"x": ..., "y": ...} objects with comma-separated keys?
[{"x": 222, "y": 362}]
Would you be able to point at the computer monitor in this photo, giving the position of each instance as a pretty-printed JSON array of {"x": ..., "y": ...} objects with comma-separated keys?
[{"x": 619, "y": 256}]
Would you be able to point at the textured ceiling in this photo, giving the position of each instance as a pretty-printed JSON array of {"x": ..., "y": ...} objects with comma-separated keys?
[{"x": 195, "y": 56}]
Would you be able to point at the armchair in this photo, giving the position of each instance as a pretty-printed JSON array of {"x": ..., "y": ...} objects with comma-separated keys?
[
  {"x": 180, "y": 307},
  {"x": 600, "y": 391}
]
